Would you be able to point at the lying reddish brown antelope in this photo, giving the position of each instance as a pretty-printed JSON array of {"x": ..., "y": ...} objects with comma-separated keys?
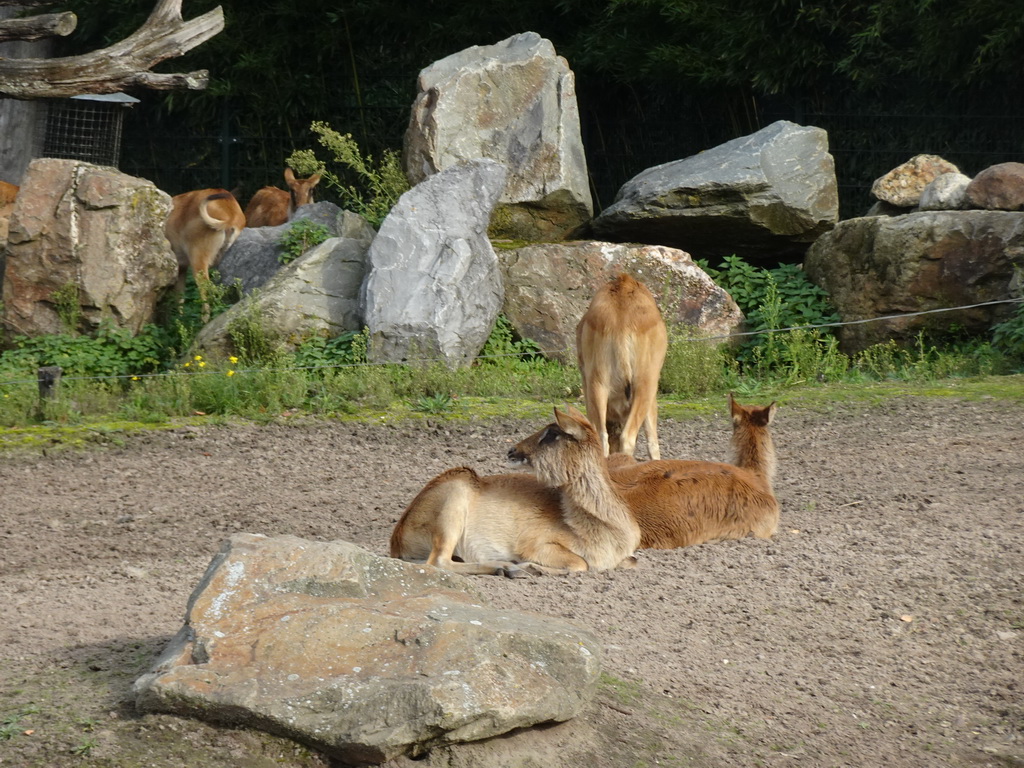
[
  {"x": 202, "y": 225},
  {"x": 681, "y": 503},
  {"x": 621, "y": 343},
  {"x": 271, "y": 206},
  {"x": 561, "y": 520}
]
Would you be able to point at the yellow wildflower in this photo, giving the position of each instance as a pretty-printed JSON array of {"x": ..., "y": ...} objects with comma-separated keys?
[
  {"x": 231, "y": 373},
  {"x": 233, "y": 359}
]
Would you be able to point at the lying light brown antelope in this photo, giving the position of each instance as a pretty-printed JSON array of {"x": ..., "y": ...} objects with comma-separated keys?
[
  {"x": 621, "y": 343},
  {"x": 271, "y": 206},
  {"x": 682, "y": 503},
  {"x": 561, "y": 520},
  {"x": 202, "y": 225}
]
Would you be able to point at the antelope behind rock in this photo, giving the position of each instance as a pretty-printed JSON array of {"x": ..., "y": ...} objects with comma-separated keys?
[
  {"x": 271, "y": 206},
  {"x": 621, "y": 344},
  {"x": 203, "y": 224},
  {"x": 567, "y": 518},
  {"x": 682, "y": 503}
]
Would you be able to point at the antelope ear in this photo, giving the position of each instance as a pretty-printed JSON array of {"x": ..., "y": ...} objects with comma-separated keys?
[
  {"x": 735, "y": 409},
  {"x": 771, "y": 411},
  {"x": 315, "y": 179},
  {"x": 572, "y": 423},
  {"x": 289, "y": 175}
]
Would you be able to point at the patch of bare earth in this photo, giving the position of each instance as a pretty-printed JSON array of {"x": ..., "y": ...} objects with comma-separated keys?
[{"x": 883, "y": 626}]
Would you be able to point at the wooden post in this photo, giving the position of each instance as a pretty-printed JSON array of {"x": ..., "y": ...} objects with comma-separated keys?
[{"x": 49, "y": 379}]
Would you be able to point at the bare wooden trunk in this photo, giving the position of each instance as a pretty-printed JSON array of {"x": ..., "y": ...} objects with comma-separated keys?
[
  {"x": 20, "y": 139},
  {"x": 121, "y": 66}
]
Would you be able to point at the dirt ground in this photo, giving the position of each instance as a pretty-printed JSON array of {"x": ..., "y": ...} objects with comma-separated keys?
[{"x": 883, "y": 626}]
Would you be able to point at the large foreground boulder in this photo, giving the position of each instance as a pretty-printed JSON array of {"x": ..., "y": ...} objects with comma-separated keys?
[
  {"x": 86, "y": 241},
  {"x": 315, "y": 295},
  {"x": 548, "y": 287},
  {"x": 877, "y": 266},
  {"x": 361, "y": 657},
  {"x": 255, "y": 256},
  {"x": 764, "y": 196},
  {"x": 515, "y": 103},
  {"x": 434, "y": 287}
]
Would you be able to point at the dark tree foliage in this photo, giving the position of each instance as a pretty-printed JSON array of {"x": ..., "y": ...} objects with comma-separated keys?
[{"x": 657, "y": 79}]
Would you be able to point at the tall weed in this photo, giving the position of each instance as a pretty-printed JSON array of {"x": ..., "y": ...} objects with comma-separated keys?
[{"x": 366, "y": 186}]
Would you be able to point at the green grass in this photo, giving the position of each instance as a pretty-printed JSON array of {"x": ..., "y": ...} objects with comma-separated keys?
[{"x": 114, "y": 384}]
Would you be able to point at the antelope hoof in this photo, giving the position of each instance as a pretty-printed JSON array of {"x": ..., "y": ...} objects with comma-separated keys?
[{"x": 515, "y": 572}]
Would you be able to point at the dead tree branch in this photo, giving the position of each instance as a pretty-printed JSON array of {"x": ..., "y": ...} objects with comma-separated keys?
[
  {"x": 38, "y": 27},
  {"x": 123, "y": 65}
]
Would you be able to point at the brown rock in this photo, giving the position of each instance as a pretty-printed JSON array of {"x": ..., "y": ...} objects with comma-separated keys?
[
  {"x": 998, "y": 188},
  {"x": 548, "y": 287},
  {"x": 903, "y": 185},
  {"x": 882, "y": 266},
  {"x": 90, "y": 228}
]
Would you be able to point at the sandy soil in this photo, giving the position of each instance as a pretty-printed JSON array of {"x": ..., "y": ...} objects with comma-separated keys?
[{"x": 884, "y": 625}]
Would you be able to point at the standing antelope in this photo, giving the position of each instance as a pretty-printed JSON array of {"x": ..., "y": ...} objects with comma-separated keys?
[
  {"x": 682, "y": 503},
  {"x": 271, "y": 206},
  {"x": 561, "y": 520},
  {"x": 621, "y": 343},
  {"x": 203, "y": 224}
]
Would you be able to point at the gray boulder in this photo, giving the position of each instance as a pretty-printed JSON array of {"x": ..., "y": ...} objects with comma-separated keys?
[
  {"x": 255, "y": 256},
  {"x": 92, "y": 234},
  {"x": 767, "y": 195},
  {"x": 548, "y": 287},
  {"x": 948, "y": 192},
  {"x": 515, "y": 103},
  {"x": 315, "y": 295},
  {"x": 879, "y": 266},
  {"x": 904, "y": 184},
  {"x": 362, "y": 657},
  {"x": 434, "y": 287}
]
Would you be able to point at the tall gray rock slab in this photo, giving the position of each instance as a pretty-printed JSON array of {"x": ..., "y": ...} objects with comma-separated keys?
[
  {"x": 434, "y": 287},
  {"x": 362, "y": 657},
  {"x": 896, "y": 265},
  {"x": 315, "y": 295},
  {"x": 513, "y": 102},
  {"x": 548, "y": 287},
  {"x": 765, "y": 195},
  {"x": 255, "y": 256},
  {"x": 94, "y": 229}
]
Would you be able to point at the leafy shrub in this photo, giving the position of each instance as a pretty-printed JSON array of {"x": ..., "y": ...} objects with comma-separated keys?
[
  {"x": 380, "y": 183},
  {"x": 1008, "y": 336},
  {"x": 693, "y": 367},
  {"x": 299, "y": 238},
  {"x": 773, "y": 299},
  {"x": 253, "y": 343},
  {"x": 801, "y": 302},
  {"x": 504, "y": 344},
  {"x": 111, "y": 352},
  {"x": 347, "y": 348}
]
